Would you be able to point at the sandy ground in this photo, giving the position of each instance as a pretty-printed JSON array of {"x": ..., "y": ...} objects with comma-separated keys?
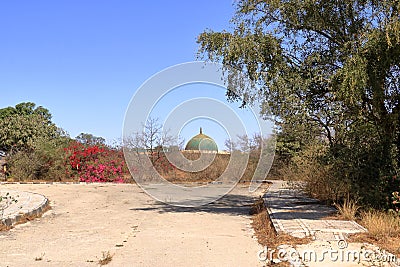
[{"x": 87, "y": 220}]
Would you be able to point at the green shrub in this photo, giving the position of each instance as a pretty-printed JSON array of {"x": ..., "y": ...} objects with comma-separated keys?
[{"x": 44, "y": 162}]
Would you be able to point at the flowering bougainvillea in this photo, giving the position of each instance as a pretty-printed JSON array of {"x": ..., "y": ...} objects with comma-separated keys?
[{"x": 94, "y": 163}]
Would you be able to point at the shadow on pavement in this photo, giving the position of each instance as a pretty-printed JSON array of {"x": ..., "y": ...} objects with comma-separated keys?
[{"x": 230, "y": 204}]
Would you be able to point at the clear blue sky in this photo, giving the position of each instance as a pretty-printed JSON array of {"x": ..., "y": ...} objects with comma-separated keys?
[{"x": 83, "y": 60}]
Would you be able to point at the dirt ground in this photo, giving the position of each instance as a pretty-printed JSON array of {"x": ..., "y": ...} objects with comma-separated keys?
[{"x": 87, "y": 220}]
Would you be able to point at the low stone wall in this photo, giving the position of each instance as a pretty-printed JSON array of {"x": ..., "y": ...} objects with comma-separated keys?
[{"x": 27, "y": 204}]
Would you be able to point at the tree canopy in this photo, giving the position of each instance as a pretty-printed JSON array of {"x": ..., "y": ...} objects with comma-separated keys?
[
  {"x": 315, "y": 59},
  {"x": 21, "y": 125},
  {"x": 327, "y": 68},
  {"x": 90, "y": 139}
]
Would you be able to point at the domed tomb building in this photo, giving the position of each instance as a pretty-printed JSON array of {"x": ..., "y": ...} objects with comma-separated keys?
[{"x": 202, "y": 142}]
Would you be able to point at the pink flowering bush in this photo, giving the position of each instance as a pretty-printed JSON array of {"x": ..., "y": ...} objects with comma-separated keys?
[{"x": 94, "y": 163}]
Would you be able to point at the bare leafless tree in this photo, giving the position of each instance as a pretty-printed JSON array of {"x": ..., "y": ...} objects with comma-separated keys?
[{"x": 143, "y": 148}]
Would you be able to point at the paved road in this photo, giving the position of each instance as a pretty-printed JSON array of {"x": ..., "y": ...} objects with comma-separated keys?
[
  {"x": 295, "y": 214},
  {"x": 86, "y": 220},
  {"x": 298, "y": 215}
]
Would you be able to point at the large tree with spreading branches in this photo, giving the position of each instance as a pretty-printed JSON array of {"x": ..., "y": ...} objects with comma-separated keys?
[{"x": 330, "y": 69}]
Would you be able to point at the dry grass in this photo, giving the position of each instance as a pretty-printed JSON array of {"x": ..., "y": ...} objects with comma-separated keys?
[
  {"x": 4, "y": 227},
  {"x": 257, "y": 207},
  {"x": 348, "y": 210},
  {"x": 383, "y": 227},
  {"x": 381, "y": 224},
  {"x": 383, "y": 230},
  {"x": 213, "y": 171},
  {"x": 106, "y": 259}
]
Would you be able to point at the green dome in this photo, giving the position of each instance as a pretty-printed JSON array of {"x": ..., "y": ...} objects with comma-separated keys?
[{"x": 202, "y": 142}]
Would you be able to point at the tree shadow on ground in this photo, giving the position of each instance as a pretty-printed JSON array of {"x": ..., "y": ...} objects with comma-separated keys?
[
  {"x": 231, "y": 204},
  {"x": 286, "y": 206}
]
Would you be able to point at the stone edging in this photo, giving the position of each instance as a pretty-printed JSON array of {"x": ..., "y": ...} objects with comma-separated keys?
[{"x": 34, "y": 211}]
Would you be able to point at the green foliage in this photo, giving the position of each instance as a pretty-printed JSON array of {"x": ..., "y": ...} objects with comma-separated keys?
[
  {"x": 327, "y": 71},
  {"x": 37, "y": 148},
  {"x": 20, "y": 131},
  {"x": 22, "y": 125},
  {"x": 90, "y": 139},
  {"x": 34, "y": 143},
  {"x": 7, "y": 112},
  {"x": 26, "y": 108},
  {"x": 45, "y": 161},
  {"x": 325, "y": 62}
]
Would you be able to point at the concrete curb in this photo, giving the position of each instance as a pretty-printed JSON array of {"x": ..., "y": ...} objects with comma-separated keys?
[{"x": 29, "y": 209}]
